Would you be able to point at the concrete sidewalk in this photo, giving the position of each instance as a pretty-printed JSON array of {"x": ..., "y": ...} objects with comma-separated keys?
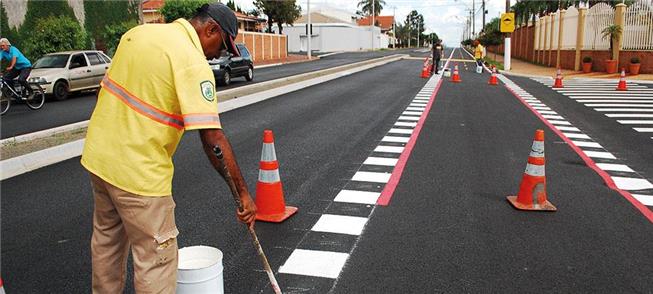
[{"x": 520, "y": 67}]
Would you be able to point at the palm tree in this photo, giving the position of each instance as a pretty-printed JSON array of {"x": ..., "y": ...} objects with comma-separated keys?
[
  {"x": 613, "y": 32},
  {"x": 366, "y": 6}
]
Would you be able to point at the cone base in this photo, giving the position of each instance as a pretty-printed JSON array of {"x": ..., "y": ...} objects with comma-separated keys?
[
  {"x": 547, "y": 206},
  {"x": 618, "y": 89},
  {"x": 279, "y": 217},
  {"x": 492, "y": 83}
]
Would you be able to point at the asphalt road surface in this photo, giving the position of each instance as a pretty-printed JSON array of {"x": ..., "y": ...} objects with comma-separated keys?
[
  {"x": 21, "y": 120},
  {"x": 447, "y": 228}
]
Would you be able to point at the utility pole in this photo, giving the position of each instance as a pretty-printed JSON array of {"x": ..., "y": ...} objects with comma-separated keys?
[
  {"x": 418, "y": 33},
  {"x": 309, "y": 28},
  {"x": 470, "y": 24},
  {"x": 372, "y": 25},
  {"x": 483, "y": 27},
  {"x": 506, "y": 46},
  {"x": 394, "y": 32},
  {"x": 473, "y": 17},
  {"x": 410, "y": 27}
]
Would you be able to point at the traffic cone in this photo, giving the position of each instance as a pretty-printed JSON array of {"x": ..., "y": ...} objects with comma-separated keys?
[
  {"x": 2, "y": 287},
  {"x": 455, "y": 77},
  {"x": 558, "y": 81},
  {"x": 270, "y": 204},
  {"x": 493, "y": 77},
  {"x": 532, "y": 190},
  {"x": 426, "y": 73},
  {"x": 622, "y": 81}
]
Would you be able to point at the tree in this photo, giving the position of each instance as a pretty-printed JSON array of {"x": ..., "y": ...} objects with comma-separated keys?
[
  {"x": 366, "y": 6},
  {"x": 52, "y": 34},
  {"x": 491, "y": 35},
  {"x": 279, "y": 12},
  {"x": 174, "y": 9},
  {"x": 613, "y": 32},
  {"x": 415, "y": 25}
]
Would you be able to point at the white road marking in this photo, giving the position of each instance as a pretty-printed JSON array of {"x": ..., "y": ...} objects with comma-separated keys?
[
  {"x": 314, "y": 263},
  {"x": 547, "y": 112},
  {"x": 415, "y": 108},
  {"x": 577, "y": 136},
  {"x": 644, "y": 199},
  {"x": 644, "y": 130},
  {"x": 636, "y": 122},
  {"x": 412, "y": 113},
  {"x": 360, "y": 197},
  {"x": 400, "y": 131},
  {"x": 587, "y": 144},
  {"x": 548, "y": 116},
  {"x": 340, "y": 224},
  {"x": 642, "y": 115},
  {"x": 623, "y": 110},
  {"x": 560, "y": 122},
  {"x": 541, "y": 107},
  {"x": 405, "y": 124},
  {"x": 375, "y": 177},
  {"x": 411, "y": 118},
  {"x": 395, "y": 139},
  {"x": 389, "y": 149},
  {"x": 381, "y": 161},
  {"x": 609, "y": 96},
  {"x": 615, "y": 101},
  {"x": 599, "y": 154},
  {"x": 632, "y": 183},
  {"x": 614, "y": 167},
  {"x": 563, "y": 128},
  {"x": 617, "y": 105}
]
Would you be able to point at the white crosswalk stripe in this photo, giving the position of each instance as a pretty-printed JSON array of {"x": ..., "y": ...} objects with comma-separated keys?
[{"x": 633, "y": 107}]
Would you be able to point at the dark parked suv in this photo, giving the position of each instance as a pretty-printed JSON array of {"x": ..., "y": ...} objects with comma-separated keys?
[{"x": 227, "y": 67}]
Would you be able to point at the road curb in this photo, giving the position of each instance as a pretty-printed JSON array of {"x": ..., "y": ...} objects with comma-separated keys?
[
  {"x": 44, "y": 133},
  {"x": 29, "y": 162},
  {"x": 21, "y": 164}
]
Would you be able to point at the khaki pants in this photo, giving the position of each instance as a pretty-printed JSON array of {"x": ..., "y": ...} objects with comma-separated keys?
[{"x": 147, "y": 224}]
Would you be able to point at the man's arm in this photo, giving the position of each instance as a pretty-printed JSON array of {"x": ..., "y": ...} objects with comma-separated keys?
[
  {"x": 216, "y": 137},
  {"x": 12, "y": 63}
]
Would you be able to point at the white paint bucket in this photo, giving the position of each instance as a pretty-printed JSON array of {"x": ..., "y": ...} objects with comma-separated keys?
[{"x": 200, "y": 271}]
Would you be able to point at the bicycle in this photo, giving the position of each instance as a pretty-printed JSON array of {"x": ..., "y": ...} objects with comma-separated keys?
[{"x": 34, "y": 99}]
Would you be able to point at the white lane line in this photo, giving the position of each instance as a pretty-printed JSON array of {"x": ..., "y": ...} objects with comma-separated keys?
[
  {"x": 412, "y": 113},
  {"x": 541, "y": 108},
  {"x": 314, "y": 263},
  {"x": 417, "y": 104},
  {"x": 405, "y": 124},
  {"x": 415, "y": 108},
  {"x": 623, "y": 110},
  {"x": 421, "y": 100},
  {"x": 547, "y": 112},
  {"x": 381, "y": 161},
  {"x": 644, "y": 130},
  {"x": 587, "y": 144},
  {"x": 340, "y": 224},
  {"x": 632, "y": 183},
  {"x": 389, "y": 149},
  {"x": 411, "y": 118},
  {"x": 577, "y": 136},
  {"x": 609, "y": 96},
  {"x": 617, "y": 105},
  {"x": 548, "y": 116},
  {"x": 536, "y": 104},
  {"x": 363, "y": 176},
  {"x": 615, "y": 101},
  {"x": 560, "y": 122},
  {"x": 644, "y": 199},
  {"x": 599, "y": 154},
  {"x": 599, "y": 91},
  {"x": 571, "y": 129},
  {"x": 615, "y": 167},
  {"x": 636, "y": 122},
  {"x": 395, "y": 139},
  {"x": 635, "y": 115},
  {"x": 360, "y": 197},
  {"x": 400, "y": 131}
]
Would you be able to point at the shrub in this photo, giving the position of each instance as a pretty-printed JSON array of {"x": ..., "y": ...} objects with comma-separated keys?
[
  {"x": 174, "y": 9},
  {"x": 587, "y": 59},
  {"x": 634, "y": 60},
  {"x": 113, "y": 33},
  {"x": 52, "y": 34}
]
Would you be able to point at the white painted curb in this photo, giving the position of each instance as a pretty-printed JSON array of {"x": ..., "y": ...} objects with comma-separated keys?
[
  {"x": 44, "y": 133},
  {"x": 29, "y": 162}
]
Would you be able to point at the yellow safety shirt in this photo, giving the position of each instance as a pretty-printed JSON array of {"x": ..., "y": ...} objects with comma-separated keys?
[
  {"x": 159, "y": 85},
  {"x": 478, "y": 52}
]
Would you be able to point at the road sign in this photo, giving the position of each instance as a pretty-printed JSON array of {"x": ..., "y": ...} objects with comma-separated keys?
[{"x": 507, "y": 22}]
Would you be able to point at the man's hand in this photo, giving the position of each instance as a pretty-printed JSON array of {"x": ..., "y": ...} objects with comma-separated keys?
[{"x": 248, "y": 214}]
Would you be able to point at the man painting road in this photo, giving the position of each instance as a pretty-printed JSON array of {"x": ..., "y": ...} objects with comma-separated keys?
[
  {"x": 438, "y": 52},
  {"x": 159, "y": 85},
  {"x": 479, "y": 53}
]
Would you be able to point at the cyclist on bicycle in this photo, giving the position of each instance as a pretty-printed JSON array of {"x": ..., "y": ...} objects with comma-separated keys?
[{"x": 19, "y": 65}]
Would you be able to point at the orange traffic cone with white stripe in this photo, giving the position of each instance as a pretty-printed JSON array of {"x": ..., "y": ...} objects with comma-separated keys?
[
  {"x": 622, "y": 81},
  {"x": 455, "y": 77},
  {"x": 532, "y": 191},
  {"x": 558, "y": 81},
  {"x": 271, "y": 207},
  {"x": 426, "y": 72},
  {"x": 493, "y": 77}
]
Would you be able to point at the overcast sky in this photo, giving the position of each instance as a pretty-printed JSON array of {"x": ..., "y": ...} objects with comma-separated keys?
[{"x": 445, "y": 17}]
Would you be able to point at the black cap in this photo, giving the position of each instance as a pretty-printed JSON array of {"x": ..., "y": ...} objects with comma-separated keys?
[{"x": 227, "y": 21}]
